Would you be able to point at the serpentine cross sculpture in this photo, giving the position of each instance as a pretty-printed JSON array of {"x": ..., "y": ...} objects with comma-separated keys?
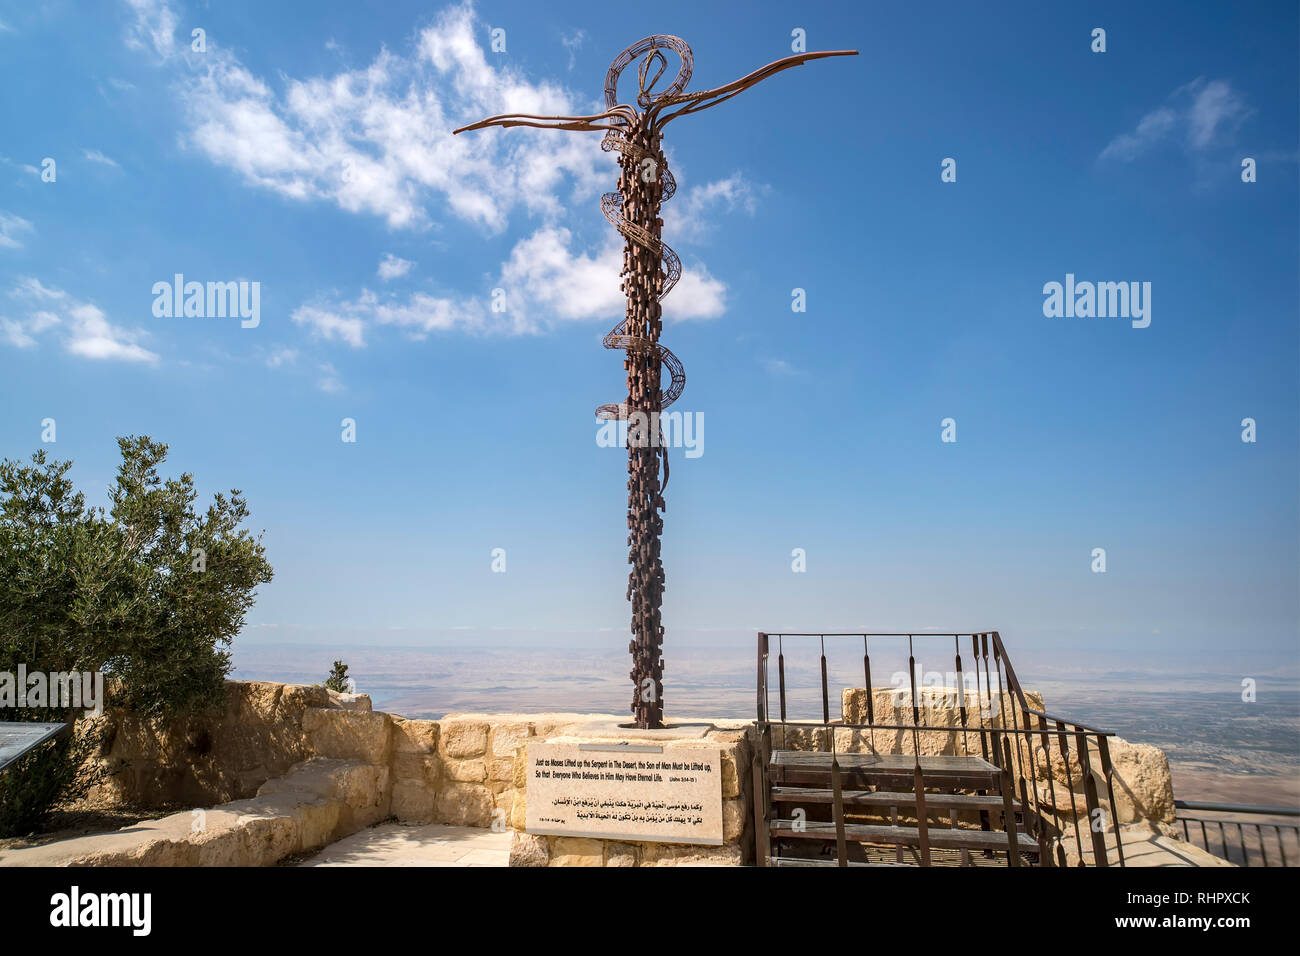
[{"x": 650, "y": 270}]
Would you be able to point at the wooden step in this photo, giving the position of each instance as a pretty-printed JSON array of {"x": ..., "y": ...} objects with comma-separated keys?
[
  {"x": 890, "y": 798},
  {"x": 862, "y": 771},
  {"x": 901, "y": 836},
  {"x": 823, "y": 861}
]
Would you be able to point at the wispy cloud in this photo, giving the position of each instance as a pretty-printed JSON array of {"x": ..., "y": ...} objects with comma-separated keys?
[
  {"x": 334, "y": 322},
  {"x": 329, "y": 380},
  {"x": 86, "y": 329},
  {"x": 778, "y": 366},
  {"x": 1199, "y": 115},
  {"x": 545, "y": 281},
  {"x": 95, "y": 156},
  {"x": 692, "y": 215},
  {"x": 572, "y": 42},
  {"x": 281, "y": 356},
  {"x": 25, "y": 167},
  {"x": 378, "y": 139},
  {"x": 153, "y": 26},
  {"x": 10, "y": 228},
  {"x": 393, "y": 267},
  {"x": 21, "y": 333}
]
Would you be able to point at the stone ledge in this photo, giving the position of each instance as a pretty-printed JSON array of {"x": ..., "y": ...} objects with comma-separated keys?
[{"x": 317, "y": 802}]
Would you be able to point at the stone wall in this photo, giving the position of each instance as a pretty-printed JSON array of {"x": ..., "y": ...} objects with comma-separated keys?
[
  {"x": 304, "y": 766},
  {"x": 261, "y": 733},
  {"x": 1143, "y": 784},
  {"x": 466, "y": 769}
]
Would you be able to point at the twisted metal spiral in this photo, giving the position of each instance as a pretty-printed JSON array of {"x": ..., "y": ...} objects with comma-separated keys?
[{"x": 611, "y": 204}]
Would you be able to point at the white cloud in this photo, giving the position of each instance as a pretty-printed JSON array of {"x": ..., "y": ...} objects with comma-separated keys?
[
  {"x": 416, "y": 315},
  {"x": 423, "y": 313},
  {"x": 22, "y": 334},
  {"x": 281, "y": 356},
  {"x": 686, "y": 215},
  {"x": 544, "y": 274},
  {"x": 544, "y": 281},
  {"x": 1215, "y": 107},
  {"x": 377, "y": 140},
  {"x": 87, "y": 331},
  {"x": 336, "y": 322},
  {"x": 1201, "y": 113},
  {"x": 329, "y": 380},
  {"x": 95, "y": 156},
  {"x": 154, "y": 26},
  {"x": 31, "y": 287},
  {"x": 573, "y": 42},
  {"x": 10, "y": 227},
  {"x": 393, "y": 267},
  {"x": 778, "y": 366},
  {"x": 697, "y": 296}
]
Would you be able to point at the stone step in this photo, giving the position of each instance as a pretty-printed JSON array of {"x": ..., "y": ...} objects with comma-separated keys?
[{"x": 317, "y": 802}]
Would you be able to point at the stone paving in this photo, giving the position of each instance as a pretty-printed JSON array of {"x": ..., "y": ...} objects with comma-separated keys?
[{"x": 394, "y": 844}]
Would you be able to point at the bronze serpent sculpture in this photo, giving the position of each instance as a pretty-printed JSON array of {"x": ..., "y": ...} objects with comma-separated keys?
[{"x": 650, "y": 270}]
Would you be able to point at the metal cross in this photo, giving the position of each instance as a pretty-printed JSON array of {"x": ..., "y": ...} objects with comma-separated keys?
[{"x": 650, "y": 270}]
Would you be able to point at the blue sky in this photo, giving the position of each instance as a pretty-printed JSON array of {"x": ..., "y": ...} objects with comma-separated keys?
[{"x": 306, "y": 147}]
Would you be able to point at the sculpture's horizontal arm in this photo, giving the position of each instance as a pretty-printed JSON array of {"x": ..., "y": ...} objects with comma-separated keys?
[
  {"x": 549, "y": 122},
  {"x": 697, "y": 101}
]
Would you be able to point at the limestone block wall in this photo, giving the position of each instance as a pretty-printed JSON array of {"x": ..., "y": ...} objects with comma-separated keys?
[
  {"x": 215, "y": 758},
  {"x": 466, "y": 769}
]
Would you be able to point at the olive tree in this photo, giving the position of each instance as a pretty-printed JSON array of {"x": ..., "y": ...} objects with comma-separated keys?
[{"x": 148, "y": 590}]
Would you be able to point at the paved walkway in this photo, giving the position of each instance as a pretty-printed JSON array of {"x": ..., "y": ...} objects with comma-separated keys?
[
  {"x": 1144, "y": 846},
  {"x": 392, "y": 844}
]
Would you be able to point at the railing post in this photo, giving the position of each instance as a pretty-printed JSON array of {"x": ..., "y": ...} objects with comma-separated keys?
[
  {"x": 837, "y": 808},
  {"x": 918, "y": 779},
  {"x": 1063, "y": 742},
  {"x": 826, "y": 707},
  {"x": 1103, "y": 751},
  {"x": 871, "y": 697},
  {"x": 1051, "y": 789},
  {"x": 1099, "y": 855},
  {"x": 780, "y": 676},
  {"x": 762, "y": 801},
  {"x": 1009, "y": 813}
]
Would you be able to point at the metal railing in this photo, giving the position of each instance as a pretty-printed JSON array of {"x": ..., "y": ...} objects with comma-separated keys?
[
  {"x": 1239, "y": 834},
  {"x": 1060, "y": 768}
]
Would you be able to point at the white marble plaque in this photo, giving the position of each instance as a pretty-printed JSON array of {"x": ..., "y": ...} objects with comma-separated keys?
[{"x": 615, "y": 793}]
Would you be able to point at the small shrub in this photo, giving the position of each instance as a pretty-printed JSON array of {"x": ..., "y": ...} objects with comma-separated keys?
[{"x": 338, "y": 680}]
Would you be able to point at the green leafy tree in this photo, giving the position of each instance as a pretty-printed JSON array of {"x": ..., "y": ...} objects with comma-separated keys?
[
  {"x": 338, "y": 680},
  {"x": 148, "y": 590}
]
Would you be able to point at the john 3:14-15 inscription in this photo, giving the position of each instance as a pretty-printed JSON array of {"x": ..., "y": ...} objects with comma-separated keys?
[{"x": 614, "y": 793}]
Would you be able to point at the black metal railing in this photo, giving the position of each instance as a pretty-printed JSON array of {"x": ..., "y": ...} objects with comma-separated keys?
[
  {"x": 1059, "y": 769},
  {"x": 1242, "y": 833}
]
